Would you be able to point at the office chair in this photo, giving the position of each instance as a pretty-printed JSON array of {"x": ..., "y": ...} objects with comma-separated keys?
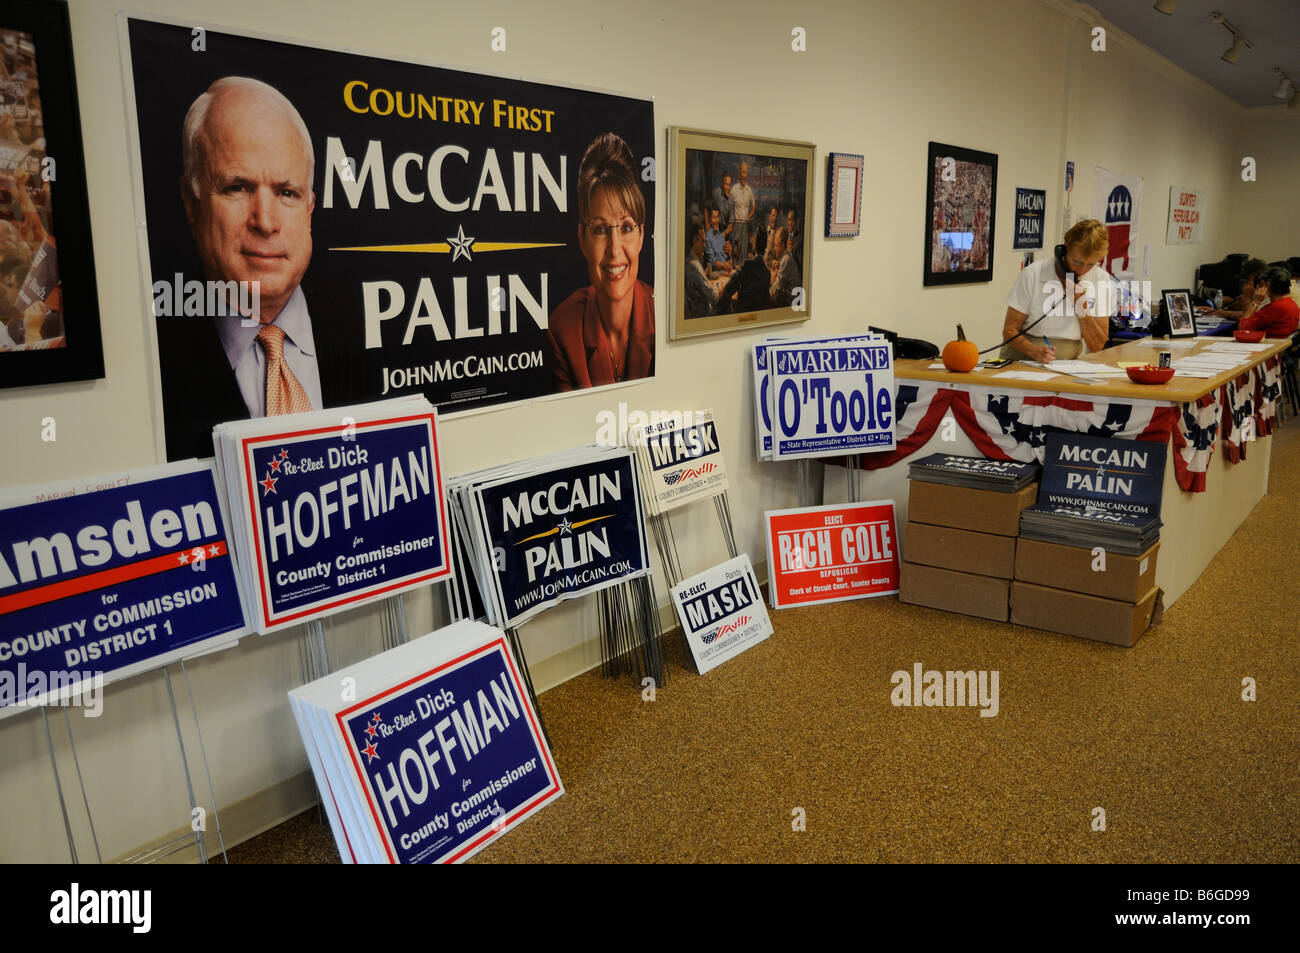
[{"x": 1289, "y": 360}]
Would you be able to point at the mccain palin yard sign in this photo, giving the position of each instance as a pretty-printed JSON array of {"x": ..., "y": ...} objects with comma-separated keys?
[
  {"x": 563, "y": 533},
  {"x": 410, "y": 229}
]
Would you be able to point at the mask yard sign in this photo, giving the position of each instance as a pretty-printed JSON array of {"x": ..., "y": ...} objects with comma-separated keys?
[
  {"x": 721, "y": 612},
  {"x": 336, "y": 518},
  {"x": 562, "y": 533},
  {"x": 831, "y": 553},
  {"x": 680, "y": 461},
  {"x": 112, "y": 582},
  {"x": 831, "y": 398},
  {"x": 426, "y": 236}
]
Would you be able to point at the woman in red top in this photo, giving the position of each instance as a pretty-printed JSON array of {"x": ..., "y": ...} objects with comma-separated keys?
[
  {"x": 1280, "y": 317},
  {"x": 605, "y": 332}
]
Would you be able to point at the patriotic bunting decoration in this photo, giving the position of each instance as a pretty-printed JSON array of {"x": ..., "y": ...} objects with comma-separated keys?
[{"x": 1013, "y": 425}]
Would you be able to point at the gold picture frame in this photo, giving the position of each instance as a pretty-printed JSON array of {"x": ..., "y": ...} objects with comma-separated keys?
[{"x": 725, "y": 291}]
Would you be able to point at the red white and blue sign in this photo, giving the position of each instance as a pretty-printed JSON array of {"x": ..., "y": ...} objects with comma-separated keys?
[
  {"x": 1116, "y": 202},
  {"x": 450, "y": 759},
  {"x": 109, "y": 578},
  {"x": 341, "y": 516}
]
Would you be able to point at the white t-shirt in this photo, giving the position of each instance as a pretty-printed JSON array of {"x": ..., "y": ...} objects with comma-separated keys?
[{"x": 1038, "y": 287}]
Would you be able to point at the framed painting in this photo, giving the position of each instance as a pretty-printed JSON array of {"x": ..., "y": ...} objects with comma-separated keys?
[
  {"x": 740, "y": 208},
  {"x": 49, "y": 308},
  {"x": 961, "y": 191}
]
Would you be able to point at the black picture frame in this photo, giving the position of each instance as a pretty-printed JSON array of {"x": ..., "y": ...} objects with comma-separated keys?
[
  {"x": 954, "y": 263},
  {"x": 77, "y": 354},
  {"x": 1179, "y": 296}
]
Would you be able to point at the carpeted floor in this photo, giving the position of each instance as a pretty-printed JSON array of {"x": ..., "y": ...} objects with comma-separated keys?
[{"x": 1158, "y": 736}]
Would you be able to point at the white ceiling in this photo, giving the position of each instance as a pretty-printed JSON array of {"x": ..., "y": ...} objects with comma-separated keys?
[{"x": 1195, "y": 42}]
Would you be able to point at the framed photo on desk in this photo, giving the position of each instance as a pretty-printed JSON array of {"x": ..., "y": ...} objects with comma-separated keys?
[{"x": 1179, "y": 311}]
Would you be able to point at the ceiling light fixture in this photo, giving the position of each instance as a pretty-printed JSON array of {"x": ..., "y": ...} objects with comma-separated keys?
[
  {"x": 1167, "y": 7},
  {"x": 1239, "y": 42}
]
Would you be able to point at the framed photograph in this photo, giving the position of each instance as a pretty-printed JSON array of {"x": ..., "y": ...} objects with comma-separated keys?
[
  {"x": 961, "y": 192},
  {"x": 736, "y": 251},
  {"x": 843, "y": 195},
  {"x": 49, "y": 308},
  {"x": 1178, "y": 308}
]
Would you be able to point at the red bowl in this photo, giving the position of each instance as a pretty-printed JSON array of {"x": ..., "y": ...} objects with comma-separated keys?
[
  {"x": 1140, "y": 375},
  {"x": 1248, "y": 337}
]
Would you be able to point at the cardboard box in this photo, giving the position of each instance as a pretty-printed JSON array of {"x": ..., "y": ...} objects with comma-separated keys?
[
  {"x": 962, "y": 592},
  {"x": 984, "y": 511},
  {"x": 984, "y": 554},
  {"x": 1088, "y": 617},
  {"x": 1125, "y": 578}
]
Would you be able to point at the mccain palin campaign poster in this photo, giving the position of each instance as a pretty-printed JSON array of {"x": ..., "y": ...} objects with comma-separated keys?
[{"x": 372, "y": 228}]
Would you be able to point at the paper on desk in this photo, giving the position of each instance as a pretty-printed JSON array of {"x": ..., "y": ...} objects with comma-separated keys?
[
  {"x": 1239, "y": 346},
  {"x": 937, "y": 366},
  {"x": 1025, "y": 375},
  {"x": 1206, "y": 372},
  {"x": 1166, "y": 345},
  {"x": 1073, "y": 367}
]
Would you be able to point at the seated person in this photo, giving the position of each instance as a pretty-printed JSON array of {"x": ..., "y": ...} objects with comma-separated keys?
[
  {"x": 701, "y": 293},
  {"x": 1254, "y": 293},
  {"x": 1280, "y": 317},
  {"x": 716, "y": 248},
  {"x": 784, "y": 275},
  {"x": 747, "y": 290},
  {"x": 771, "y": 228}
]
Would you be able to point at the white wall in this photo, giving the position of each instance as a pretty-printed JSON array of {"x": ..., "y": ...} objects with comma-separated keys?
[
  {"x": 1264, "y": 215},
  {"x": 883, "y": 79}
]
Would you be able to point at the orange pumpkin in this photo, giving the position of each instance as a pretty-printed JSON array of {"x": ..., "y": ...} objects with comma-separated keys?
[{"x": 960, "y": 355}]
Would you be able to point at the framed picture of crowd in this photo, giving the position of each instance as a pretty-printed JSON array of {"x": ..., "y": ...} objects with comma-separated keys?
[
  {"x": 740, "y": 211},
  {"x": 961, "y": 193},
  {"x": 49, "y": 309}
]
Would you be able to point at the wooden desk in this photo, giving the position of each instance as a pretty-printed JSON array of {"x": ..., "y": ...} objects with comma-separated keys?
[
  {"x": 1196, "y": 525},
  {"x": 1179, "y": 390}
]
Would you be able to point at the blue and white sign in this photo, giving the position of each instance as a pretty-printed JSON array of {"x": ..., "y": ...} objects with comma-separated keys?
[
  {"x": 722, "y": 612},
  {"x": 831, "y": 398},
  {"x": 762, "y": 403},
  {"x": 562, "y": 533},
  {"x": 340, "y": 516},
  {"x": 430, "y": 751},
  {"x": 107, "y": 578},
  {"x": 1031, "y": 206},
  {"x": 451, "y": 759},
  {"x": 681, "y": 460},
  {"x": 1118, "y": 476}
]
